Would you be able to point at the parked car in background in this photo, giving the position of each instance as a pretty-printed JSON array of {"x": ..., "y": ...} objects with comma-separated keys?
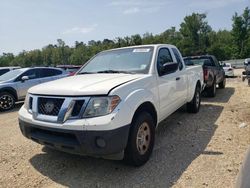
[
  {"x": 229, "y": 70},
  {"x": 114, "y": 103},
  {"x": 15, "y": 84},
  {"x": 4, "y": 70},
  {"x": 247, "y": 61},
  {"x": 246, "y": 73},
  {"x": 213, "y": 72},
  {"x": 71, "y": 69}
]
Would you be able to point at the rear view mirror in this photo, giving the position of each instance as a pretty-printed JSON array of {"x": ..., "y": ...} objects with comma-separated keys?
[
  {"x": 24, "y": 78},
  {"x": 168, "y": 68}
]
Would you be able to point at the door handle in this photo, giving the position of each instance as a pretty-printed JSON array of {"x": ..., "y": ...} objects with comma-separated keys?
[{"x": 178, "y": 78}]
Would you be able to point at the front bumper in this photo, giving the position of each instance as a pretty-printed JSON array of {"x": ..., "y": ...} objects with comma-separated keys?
[{"x": 84, "y": 142}]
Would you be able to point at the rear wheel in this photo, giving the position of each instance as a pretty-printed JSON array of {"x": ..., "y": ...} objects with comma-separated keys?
[
  {"x": 248, "y": 81},
  {"x": 141, "y": 140},
  {"x": 7, "y": 101},
  {"x": 194, "y": 105},
  {"x": 222, "y": 84},
  {"x": 211, "y": 91}
]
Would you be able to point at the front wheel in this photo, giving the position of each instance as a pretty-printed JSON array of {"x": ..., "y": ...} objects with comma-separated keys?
[
  {"x": 141, "y": 140},
  {"x": 194, "y": 105},
  {"x": 7, "y": 101}
]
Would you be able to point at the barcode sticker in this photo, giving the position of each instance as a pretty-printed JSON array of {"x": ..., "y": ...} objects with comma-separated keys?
[{"x": 141, "y": 50}]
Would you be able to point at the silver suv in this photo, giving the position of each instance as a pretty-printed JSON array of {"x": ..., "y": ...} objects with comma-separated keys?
[{"x": 15, "y": 84}]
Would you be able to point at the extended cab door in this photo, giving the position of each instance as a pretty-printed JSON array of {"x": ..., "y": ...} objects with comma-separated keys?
[
  {"x": 24, "y": 85},
  {"x": 168, "y": 100},
  {"x": 181, "y": 79}
]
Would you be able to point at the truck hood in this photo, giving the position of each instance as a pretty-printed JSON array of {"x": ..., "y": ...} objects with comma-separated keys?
[{"x": 87, "y": 84}]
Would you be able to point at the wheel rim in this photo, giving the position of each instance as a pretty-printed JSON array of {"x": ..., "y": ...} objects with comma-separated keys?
[
  {"x": 6, "y": 102},
  {"x": 143, "y": 138},
  {"x": 197, "y": 99}
]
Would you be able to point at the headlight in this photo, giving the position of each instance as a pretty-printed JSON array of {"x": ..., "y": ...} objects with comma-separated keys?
[
  {"x": 26, "y": 102},
  {"x": 100, "y": 106}
]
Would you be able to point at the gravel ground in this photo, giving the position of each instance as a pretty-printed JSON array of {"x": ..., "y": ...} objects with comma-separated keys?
[{"x": 191, "y": 150}]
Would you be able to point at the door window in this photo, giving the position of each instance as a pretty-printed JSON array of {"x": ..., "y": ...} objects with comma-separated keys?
[
  {"x": 178, "y": 58},
  {"x": 49, "y": 72},
  {"x": 32, "y": 74},
  {"x": 216, "y": 62},
  {"x": 164, "y": 57}
]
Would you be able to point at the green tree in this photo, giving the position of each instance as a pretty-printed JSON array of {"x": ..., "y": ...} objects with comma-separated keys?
[
  {"x": 79, "y": 56},
  {"x": 6, "y": 59},
  {"x": 221, "y": 44},
  {"x": 136, "y": 39},
  {"x": 194, "y": 37},
  {"x": 241, "y": 33},
  {"x": 195, "y": 32}
]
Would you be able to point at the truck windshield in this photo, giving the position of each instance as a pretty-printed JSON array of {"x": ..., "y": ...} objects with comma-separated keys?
[{"x": 128, "y": 60}]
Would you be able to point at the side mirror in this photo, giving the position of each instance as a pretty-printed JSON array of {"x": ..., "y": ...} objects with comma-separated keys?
[
  {"x": 24, "y": 78},
  {"x": 168, "y": 68}
]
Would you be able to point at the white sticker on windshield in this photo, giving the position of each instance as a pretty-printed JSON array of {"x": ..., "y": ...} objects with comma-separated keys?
[{"x": 141, "y": 50}]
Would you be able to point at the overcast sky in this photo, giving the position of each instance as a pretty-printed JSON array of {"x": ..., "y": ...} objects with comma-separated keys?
[{"x": 33, "y": 24}]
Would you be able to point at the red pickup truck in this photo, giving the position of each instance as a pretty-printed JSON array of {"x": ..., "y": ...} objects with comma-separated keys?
[{"x": 213, "y": 72}]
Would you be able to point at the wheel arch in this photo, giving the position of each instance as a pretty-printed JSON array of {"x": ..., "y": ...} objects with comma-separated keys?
[
  {"x": 198, "y": 83},
  {"x": 11, "y": 91},
  {"x": 147, "y": 107},
  {"x": 192, "y": 90}
]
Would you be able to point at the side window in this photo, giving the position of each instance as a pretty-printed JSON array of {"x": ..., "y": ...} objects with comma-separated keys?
[
  {"x": 163, "y": 58},
  {"x": 3, "y": 71},
  {"x": 32, "y": 74},
  {"x": 49, "y": 72},
  {"x": 216, "y": 62},
  {"x": 178, "y": 58},
  {"x": 209, "y": 62}
]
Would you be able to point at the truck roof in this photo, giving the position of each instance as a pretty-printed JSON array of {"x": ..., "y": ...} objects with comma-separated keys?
[{"x": 145, "y": 45}]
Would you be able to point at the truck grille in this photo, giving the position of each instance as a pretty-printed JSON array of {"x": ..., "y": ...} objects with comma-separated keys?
[
  {"x": 49, "y": 106},
  {"x": 77, "y": 108},
  {"x": 57, "y": 109}
]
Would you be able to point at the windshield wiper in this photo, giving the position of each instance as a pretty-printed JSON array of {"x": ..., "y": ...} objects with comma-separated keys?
[{"x": 116, "y": 71}]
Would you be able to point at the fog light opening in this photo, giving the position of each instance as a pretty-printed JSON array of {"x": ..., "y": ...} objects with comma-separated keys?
[{"x": 100, "y": 142}]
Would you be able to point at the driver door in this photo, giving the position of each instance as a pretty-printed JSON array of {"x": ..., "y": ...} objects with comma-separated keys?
[
  {"x": 166, "y": 85},
  {"x": 24, "y": 85}
]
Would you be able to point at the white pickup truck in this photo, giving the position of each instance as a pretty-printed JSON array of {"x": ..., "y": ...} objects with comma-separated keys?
[{"x": 113, "y": 105}]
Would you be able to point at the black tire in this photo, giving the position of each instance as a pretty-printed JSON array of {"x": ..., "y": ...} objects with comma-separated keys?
[
  {"x": 133, "y": 154},
  {"x": 211, "y": 91},
  {"x": 7, "y": 101},
  {"x": 248, "y": 81},
  {"x": 194, "y": 105},
  {"x": 222, "y": 84}
]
